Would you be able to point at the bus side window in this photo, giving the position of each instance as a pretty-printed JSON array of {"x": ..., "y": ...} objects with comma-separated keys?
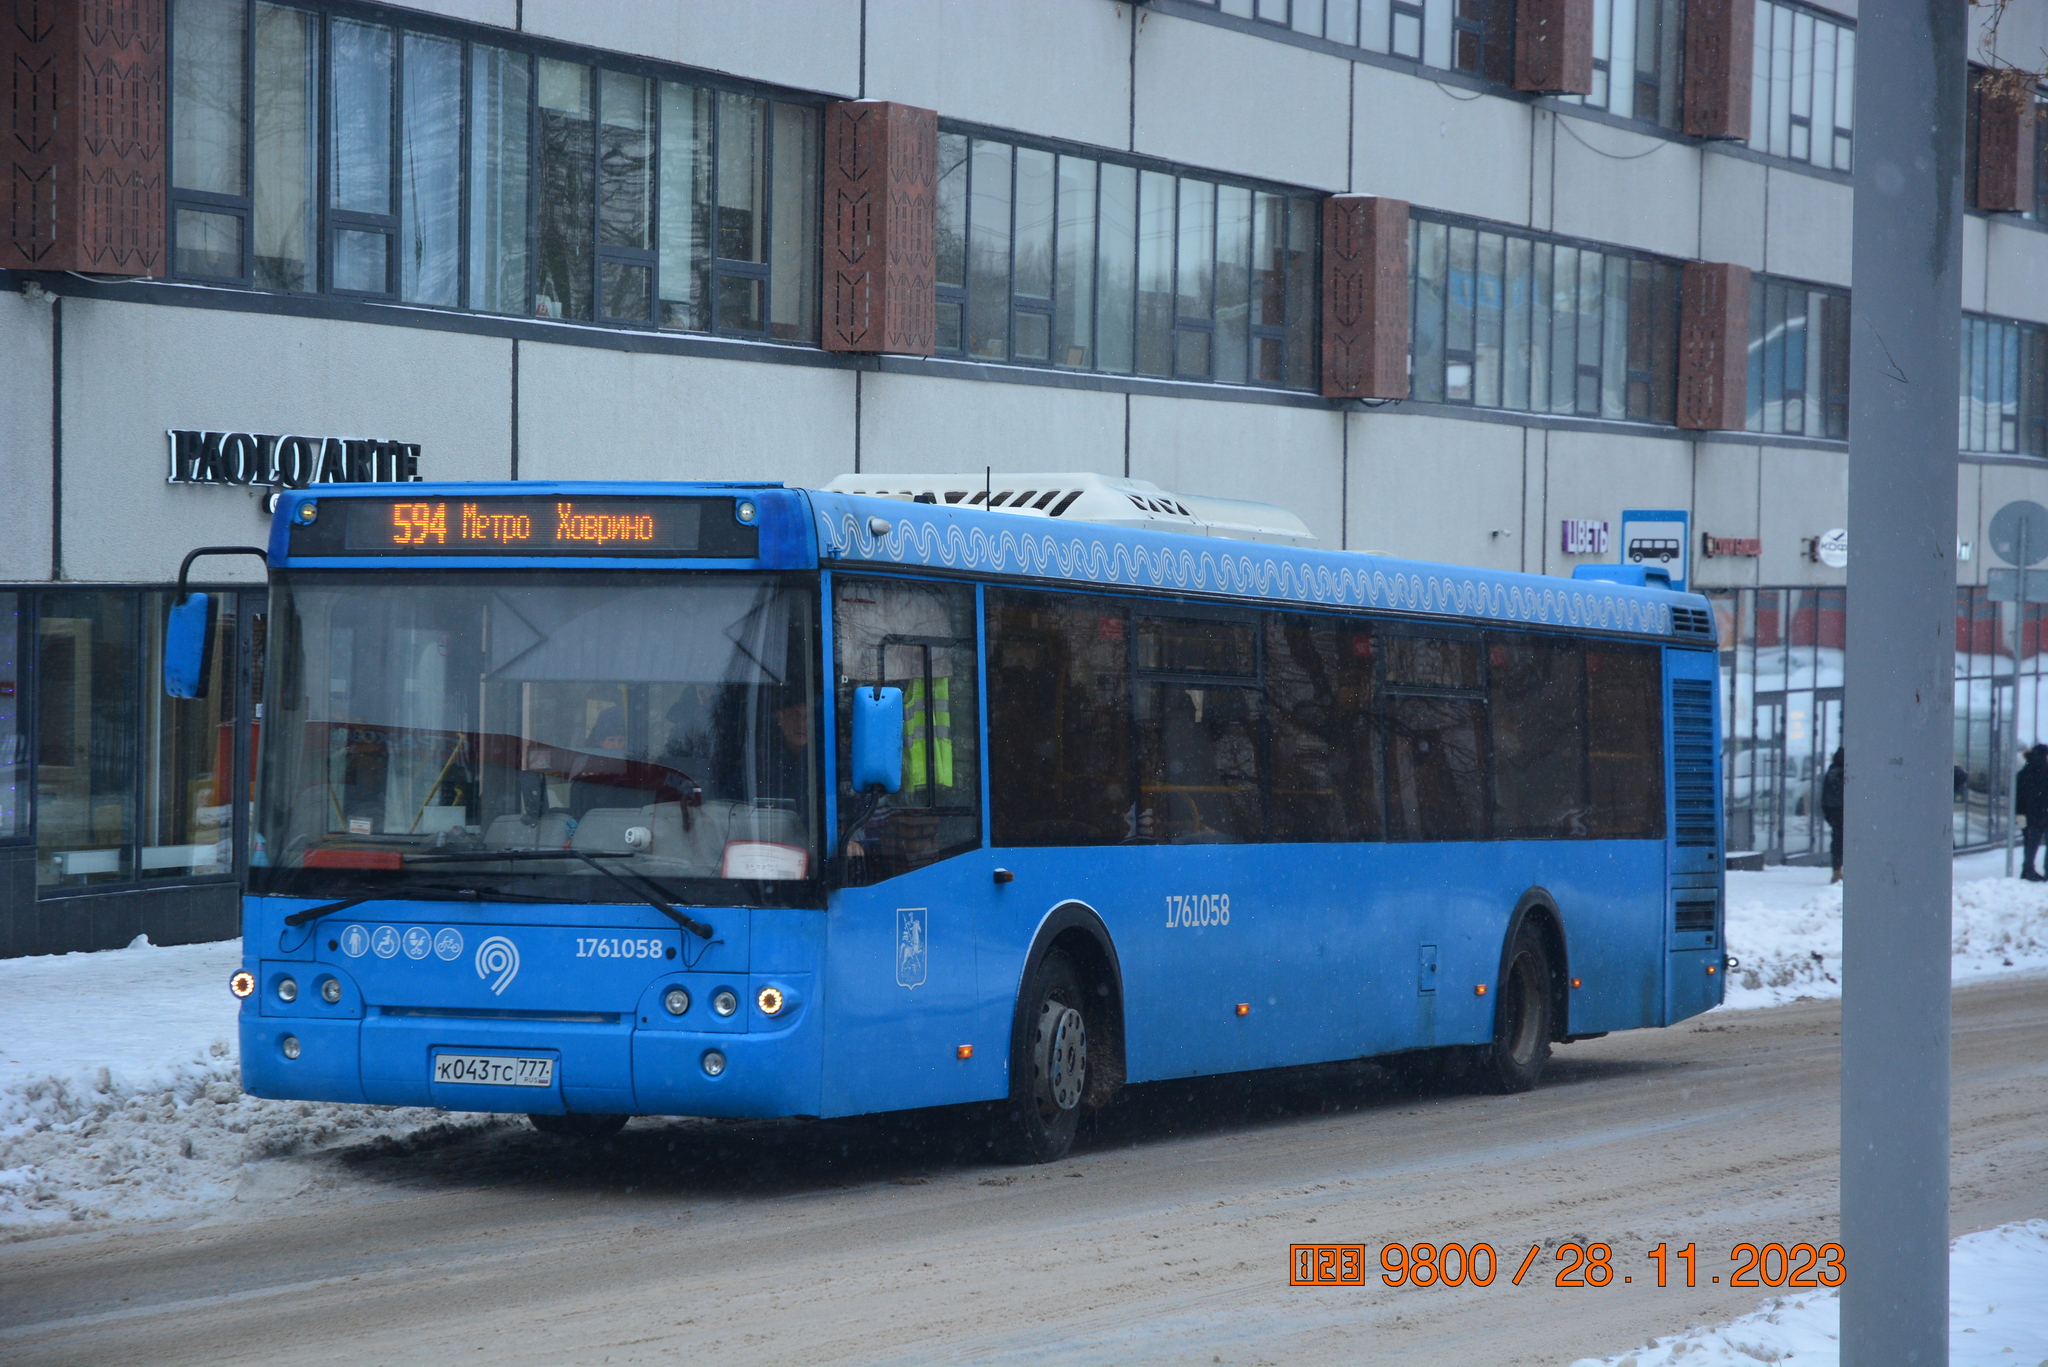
[
  {"x": 1625, "y": 741},
  {"x": 1435, "y": 722},
  {"x": 1324, "y": 746},
  {"x": 917, "y": 636},
  {"x": 1059, "y": 708},
  {"x": 1537, "y": 708}
]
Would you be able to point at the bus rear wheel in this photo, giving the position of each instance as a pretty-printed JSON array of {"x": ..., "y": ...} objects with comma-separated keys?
[
  {"x": 590, "y": 1129},
  {"x": 1521, "y": 1018},
  {"x": 1048, "y": 1066}
]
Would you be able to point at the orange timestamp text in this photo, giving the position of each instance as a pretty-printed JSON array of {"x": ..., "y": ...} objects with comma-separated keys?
[{"x": 1799, "y": 1267}]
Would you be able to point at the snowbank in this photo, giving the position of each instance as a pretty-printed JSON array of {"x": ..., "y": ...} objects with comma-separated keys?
[
  {"x": 1997, "y": 1314},
  {"x": 1785, "y": 927},
  {"x": 120, "y": 1097}
]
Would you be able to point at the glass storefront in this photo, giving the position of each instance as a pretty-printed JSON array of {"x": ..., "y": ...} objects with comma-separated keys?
[
  {"x": 118, "y": 785},
  {"x": 1781, "y": 677}
]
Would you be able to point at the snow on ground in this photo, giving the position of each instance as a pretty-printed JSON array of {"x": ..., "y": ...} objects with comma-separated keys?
[
  {"x": 1997, "y": 1314},
  {"x": 1785, "y": 927},
  {"x": 120, "y": 1096}
]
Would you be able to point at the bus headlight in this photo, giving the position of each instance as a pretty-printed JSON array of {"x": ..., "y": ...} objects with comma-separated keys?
[
  {"x": 714, "y": 1062},
  {"x": 289, "y": 1046},
  {"x": 676, "y": 1001},
  {"x": 770, "y": 1000},
  {"x": 330, "y": 990},
  {"x": 287, "y": 989},
  {"x": 724, "y": 1001},
  {"x": 243, "y": 984}
]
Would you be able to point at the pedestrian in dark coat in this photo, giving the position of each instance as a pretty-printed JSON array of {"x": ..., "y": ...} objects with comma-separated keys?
[
  {"x": 1831, "y": 809},
  {"x": 2030, "y": 804}
]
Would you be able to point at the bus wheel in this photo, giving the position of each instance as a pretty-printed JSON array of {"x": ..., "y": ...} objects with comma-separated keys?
[
  {"x": 1521, "y": 1018},
  {"x": 1048, "y": 1066},
  {"x": 588, "y": 1128}
]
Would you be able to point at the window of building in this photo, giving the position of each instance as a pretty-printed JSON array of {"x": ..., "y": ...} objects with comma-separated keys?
[
  {"x": 188, "y": 753},
  {"x": 1803, "y": 86},
  {"x": 1049, "y": 259},
  {"x": 1798, "y": 359},
  {"x": 1638, "y": 60},
  {"x": 461, "y": 174},
  {"x": 1504, "y": 319},
  {"x": 2004, "y": 400},
  {"x": 14, "y": 783},
  {"x": 86, "y": 685}
]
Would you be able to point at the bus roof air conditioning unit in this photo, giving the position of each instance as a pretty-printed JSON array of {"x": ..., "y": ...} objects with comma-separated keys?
[{"x": 1087, "y": 497}]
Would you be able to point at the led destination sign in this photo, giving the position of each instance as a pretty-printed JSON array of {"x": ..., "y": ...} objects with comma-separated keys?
[{"x": 549, "y": 526}]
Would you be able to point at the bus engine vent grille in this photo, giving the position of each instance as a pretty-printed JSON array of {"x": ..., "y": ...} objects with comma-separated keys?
[
  {"x": 1694, "y": 915},
  {"x": 1692, "y": 622},
  {"x": 1692, "y": 760}
]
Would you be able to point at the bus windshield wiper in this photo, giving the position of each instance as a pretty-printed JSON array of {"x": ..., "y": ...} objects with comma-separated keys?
[
  {"x": 426, "y": 892},
  {"x": 688, "y": 922}
]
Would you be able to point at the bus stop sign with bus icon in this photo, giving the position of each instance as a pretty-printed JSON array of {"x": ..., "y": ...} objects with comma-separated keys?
[{"x": 1658, "y": 539}]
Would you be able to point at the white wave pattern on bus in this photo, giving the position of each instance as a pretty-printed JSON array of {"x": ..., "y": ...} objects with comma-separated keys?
[{"x": 1291, "y": 576}]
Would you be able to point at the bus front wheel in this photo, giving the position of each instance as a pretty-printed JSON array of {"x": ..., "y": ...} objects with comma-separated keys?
[
  {"x": 1521, "y": 1018},
  {"x": 1048, "y": 1065}
]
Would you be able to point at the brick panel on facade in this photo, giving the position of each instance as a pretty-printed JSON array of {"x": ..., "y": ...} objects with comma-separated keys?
[
  {"x": 84, "y": 135},
  {"x": 1713, "y": 346},
  {"x": 2005, "y": 141},
  {"x": 1720, "y": 58},
  {"x": 1365, "y": 297},
  {"x": 881, "y": 215},
  {"x": 1554, "y": 46}
]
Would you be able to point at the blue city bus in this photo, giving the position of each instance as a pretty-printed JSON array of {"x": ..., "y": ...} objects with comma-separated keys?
[{"x": 593, "y": 800}]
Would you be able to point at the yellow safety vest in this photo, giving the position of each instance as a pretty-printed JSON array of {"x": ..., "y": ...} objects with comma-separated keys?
[{"x": 915, "y": 770}]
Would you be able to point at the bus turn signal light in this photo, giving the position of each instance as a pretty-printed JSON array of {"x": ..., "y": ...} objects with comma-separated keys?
[
  {"x": 964, "y": 1051},
  {"x": 243, "y": 984},
  {"x": 1244, "y": 1008},
  {"x": 1479, "y": 989},
  {"x": 1575, "y": 982},
  {"x": 770, "y": 1001}
]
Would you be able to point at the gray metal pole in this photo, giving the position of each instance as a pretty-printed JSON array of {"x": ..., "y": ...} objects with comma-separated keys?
[
  {"x": 2019, "y": 619},
  {"x": 1900, "y": 657}
]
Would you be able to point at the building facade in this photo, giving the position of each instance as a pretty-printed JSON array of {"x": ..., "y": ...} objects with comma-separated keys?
[{"x": 1465, "y": 280}]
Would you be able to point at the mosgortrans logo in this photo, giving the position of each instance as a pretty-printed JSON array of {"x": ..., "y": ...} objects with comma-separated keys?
[{"x": 500, "y": 956}]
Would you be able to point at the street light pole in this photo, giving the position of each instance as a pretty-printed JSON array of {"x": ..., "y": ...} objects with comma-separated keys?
[{"x": 1900, "y": 657}]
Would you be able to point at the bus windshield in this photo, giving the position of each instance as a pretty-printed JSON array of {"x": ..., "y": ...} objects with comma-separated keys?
[{"x": 438, "y": 730}]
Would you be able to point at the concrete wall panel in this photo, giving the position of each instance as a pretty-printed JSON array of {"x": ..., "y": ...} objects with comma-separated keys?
[
  {"x": 1807, "y": 228},
  {"x": 1290, "y": 456},
  {"x": 1807, "y": 493},
  {"x": 1612, "y": 185},
  {"x": 1732, "y": 210},
  {"x": 1974, "y": 245},
  {"x": 1213, "y": 98},
  {"x": 25, "y": 438},
  {"x": 1439, "y": 489},
  {"x": 914, "y": 424},
  {"x": 586, "y": 413},
  {"x": 797, "y": 43},
  {"x": 1725, "y": 504},
  {"x": 1595, "y": 476},
  {"x": 500, "y": 13},
  {"x": 2015, "y": 271},
  {"x": 1060, "y": 68},
  {"x": 1441, "y": 149},
  {"x": 248, "y": 372}
]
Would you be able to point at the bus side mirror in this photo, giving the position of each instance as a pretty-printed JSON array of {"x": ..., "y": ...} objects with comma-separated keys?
[
  {"x": 877, "y": 740},
  {"x": 187, "y": 638}
]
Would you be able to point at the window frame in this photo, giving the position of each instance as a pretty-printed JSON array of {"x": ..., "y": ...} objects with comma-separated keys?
[
  {"x": 1762, "y": 95},
  {"x": 1832, "y": 361},
  {"x": 473, "y": 37},
  {"x": 958, "y": 296},
  {"x": 1582, "y": 370}
]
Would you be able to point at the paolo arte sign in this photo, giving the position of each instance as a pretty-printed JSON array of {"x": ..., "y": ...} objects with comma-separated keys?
[{"x": 288, "y": 462}]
